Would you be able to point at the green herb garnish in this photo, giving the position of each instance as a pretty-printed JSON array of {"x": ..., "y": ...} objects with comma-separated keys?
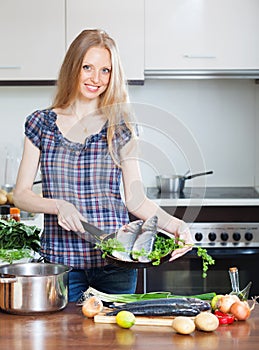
[
  {"x": 109, "y": 245},
  {"x": 162, "y": 246},
  {"x": 206, "y": 260}
]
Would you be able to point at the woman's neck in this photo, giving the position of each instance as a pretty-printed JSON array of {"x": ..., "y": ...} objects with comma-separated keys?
[{"x": 82, "y": 109}]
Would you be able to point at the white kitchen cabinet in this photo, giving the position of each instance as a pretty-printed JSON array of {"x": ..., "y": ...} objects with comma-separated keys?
[
  {"x": 201, "y": 34},
  {"x": 122, "y": 20},
  {"x": 32, "y": 39}
]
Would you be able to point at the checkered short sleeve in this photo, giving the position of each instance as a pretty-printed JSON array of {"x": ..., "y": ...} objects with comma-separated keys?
[{"x": 33, "y": 128}]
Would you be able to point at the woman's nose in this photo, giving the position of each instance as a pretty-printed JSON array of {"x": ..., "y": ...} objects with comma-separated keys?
[{"x": 95, "y": 76}]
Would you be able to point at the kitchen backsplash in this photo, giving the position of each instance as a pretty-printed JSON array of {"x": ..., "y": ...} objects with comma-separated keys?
[{"x": 184, "y": 124}]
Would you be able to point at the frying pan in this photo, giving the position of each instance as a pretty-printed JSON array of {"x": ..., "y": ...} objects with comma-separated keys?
[
  {"x": 95, "y": 235},
  {"x": 175, "y": 183}
]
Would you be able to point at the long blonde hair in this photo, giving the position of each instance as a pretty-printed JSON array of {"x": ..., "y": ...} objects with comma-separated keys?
[{"x": 114, "y": 102}]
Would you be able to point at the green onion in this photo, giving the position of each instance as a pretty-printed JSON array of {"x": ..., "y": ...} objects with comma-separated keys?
[{"x": 127, "y": 298}]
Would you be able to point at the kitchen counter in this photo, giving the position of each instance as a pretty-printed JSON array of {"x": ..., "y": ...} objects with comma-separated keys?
[
  {"x": 69, "y": 329},
  {"x": 210, "y": 196}
]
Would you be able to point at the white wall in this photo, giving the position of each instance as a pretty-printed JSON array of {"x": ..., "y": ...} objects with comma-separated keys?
[
  {"x": 220, "y": 115},
  {"x": 196, "y": 124},
  {"x": 15, "y": 104}
]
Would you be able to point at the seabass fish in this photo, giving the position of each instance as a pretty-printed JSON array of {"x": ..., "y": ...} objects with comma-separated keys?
[
  {"x": 150, "y": 224},
  {"x": 159, "y": 310},
  {"x": 127, "y": 235},
  {"x": 145, "y": 240},
  {"x": 180, "y": 301}
]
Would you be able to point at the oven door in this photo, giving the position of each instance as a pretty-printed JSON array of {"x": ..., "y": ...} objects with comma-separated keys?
[{"x": 184, "y": 275}]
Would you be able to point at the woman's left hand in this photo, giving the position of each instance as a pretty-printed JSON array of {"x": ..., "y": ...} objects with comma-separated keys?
[{"x": 184, "y": 234}]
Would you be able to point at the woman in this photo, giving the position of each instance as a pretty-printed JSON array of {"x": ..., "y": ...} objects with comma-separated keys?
[{"x": 85, "y": 143}]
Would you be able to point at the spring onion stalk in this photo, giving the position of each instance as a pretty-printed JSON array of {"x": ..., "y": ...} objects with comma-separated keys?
[{"x": 127, "y": 298}]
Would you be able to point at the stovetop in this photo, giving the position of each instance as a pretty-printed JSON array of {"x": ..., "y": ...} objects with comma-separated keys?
[
  {"x": 206, "y": 193},
  {"x": 222, "y": 225}
]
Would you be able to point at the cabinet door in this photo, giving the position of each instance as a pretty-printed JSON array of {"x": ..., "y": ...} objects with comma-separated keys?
[
  {"x": 122, "y": 20},
  {"x": 32, "y": 39},
  {"x": 204, "y": 34}
]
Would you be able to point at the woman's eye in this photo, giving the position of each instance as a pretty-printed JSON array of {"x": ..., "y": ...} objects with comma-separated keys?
[
  {"x": 106, "y": 70},
  {"x": 86, "y": 67}
]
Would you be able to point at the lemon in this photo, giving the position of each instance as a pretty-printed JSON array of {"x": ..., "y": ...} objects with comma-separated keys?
[
  {"x": 214, "y": 301},
  {"x": 125, "y": 319}
]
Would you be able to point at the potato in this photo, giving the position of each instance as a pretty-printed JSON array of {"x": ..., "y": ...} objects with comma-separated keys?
[
  {"x": 3, "y": 191},
  {"x": 3, "y": 198},
  {"x": 183, "y": 325},
  {"x": 10, "y": 197},
  {"x": 206, "y": 321}
]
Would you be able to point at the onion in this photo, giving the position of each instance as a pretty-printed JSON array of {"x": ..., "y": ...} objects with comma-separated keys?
[
  {"x": 92, "y": 306},
  {"x": 240, "y": 310},
  {"x": 226, "y": 302}
]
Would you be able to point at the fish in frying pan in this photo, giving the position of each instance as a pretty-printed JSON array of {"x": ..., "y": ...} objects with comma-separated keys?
[
  {"x": 127, "y": 235},
  {"x": 145, "y": 240}
]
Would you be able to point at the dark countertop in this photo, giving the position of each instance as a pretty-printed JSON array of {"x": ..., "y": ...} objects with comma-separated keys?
[
  {"x": 69, "y": 329},
  {"x": 207, "y": 193}
]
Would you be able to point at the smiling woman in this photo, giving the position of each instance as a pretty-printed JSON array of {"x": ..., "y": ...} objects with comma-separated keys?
[{"x": 86, "y": 146}]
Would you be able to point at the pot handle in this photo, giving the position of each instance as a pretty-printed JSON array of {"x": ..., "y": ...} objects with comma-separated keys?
[
  {"x": 199, "y": 174},
  {"x": 6, "y": 278}
]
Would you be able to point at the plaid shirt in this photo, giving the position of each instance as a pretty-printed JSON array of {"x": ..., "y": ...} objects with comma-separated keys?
[{"x": 83, "y": 174}]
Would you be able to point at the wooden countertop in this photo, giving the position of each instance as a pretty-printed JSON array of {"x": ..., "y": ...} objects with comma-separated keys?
[{"x": 69, "y": 329}]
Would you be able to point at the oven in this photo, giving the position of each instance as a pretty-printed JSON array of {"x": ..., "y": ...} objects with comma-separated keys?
[{"x": 226, "y": 223}]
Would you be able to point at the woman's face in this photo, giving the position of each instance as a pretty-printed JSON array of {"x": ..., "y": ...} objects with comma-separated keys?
[{"x": 95, "y": 72}]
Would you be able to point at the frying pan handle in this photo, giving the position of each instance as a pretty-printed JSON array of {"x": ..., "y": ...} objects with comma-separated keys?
[{"x": 199, "y": 174}]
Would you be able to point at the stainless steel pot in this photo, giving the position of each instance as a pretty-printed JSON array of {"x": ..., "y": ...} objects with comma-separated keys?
[
  {"x": 175, "y": 183},
  {"x": 31, "y": 288}
]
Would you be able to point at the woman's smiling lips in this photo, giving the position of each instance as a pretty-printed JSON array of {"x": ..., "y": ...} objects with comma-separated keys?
[{"x": 92, "y": 88}]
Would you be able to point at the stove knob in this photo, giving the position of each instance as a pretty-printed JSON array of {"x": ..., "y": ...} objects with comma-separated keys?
[
  {"x": 236, "y": 236},
  {"x": 248, "y": 236},
  {"x": 198, "y": 236},
  {"x": 212, "y": 236},
  {"x": 224, "y": 236}
]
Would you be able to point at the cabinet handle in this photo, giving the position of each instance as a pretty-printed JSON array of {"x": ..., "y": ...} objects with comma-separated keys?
[
  {"x": 199, "y": 56},
  {"x": 10, "y": 67}
]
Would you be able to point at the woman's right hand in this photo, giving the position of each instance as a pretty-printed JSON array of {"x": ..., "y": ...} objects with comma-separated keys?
[{"x": 69, "y": 217}]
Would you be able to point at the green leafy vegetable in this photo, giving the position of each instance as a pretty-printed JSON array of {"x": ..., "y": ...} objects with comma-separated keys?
[
  {"x": 9, "y": 256},
  {"x": 17, "y": 240},
  {"x": 162, "y": 246}
]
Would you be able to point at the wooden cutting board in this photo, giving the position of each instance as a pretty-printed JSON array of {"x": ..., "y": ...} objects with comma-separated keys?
[{"x": 140, "y": 320}]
